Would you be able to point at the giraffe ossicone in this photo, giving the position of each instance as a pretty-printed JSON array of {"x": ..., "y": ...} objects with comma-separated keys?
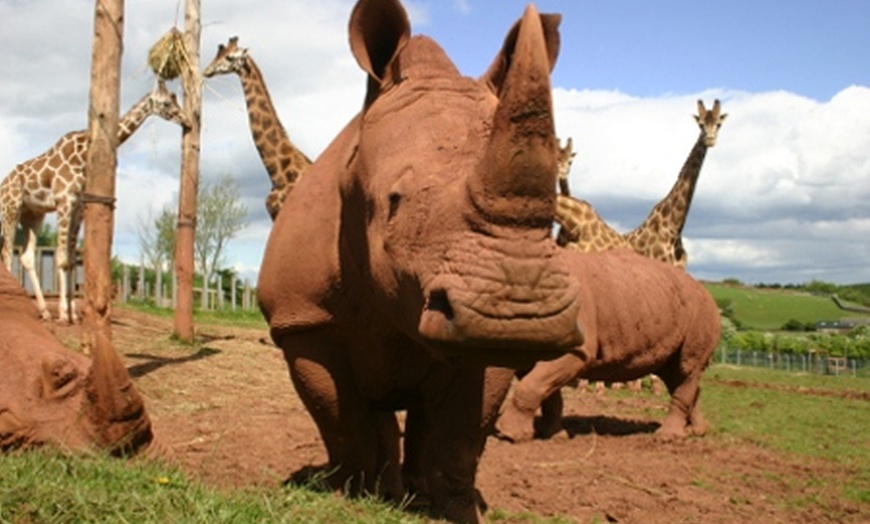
[{"x": 54, "y": 182}]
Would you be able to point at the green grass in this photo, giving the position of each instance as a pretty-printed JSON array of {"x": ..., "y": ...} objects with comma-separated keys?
[
  {"x": 47, "y": 487},
  {"x": 249, "y": 319},
  {"x": 812, "y": 416},
  {"x": 770, "y": 309}
]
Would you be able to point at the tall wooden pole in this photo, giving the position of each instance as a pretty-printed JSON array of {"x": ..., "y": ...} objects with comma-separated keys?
[
  {"x": 102, "y": 160},
  {"x": 114, "y": 401},
  {"x": 186, "y": 227}
]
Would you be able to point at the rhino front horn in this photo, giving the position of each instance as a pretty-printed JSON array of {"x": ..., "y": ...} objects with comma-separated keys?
[
  {"x": 515, "y": 183},
  {"x": 116, "y": 407}
]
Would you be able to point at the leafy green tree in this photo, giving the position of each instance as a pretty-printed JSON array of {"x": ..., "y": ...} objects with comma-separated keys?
[
  {"x": 157, "y": 238},
  {"x": 220, "y": 216}
]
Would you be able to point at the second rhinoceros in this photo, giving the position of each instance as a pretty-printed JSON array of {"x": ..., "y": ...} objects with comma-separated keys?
[
  {"x": 50, "y": 395},
  {"x": 415, "y": 252}
]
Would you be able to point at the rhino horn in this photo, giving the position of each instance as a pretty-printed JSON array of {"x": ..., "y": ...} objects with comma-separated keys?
[
  {"x": 515, "y": 183},
  {"x": 116, "y": 408}
]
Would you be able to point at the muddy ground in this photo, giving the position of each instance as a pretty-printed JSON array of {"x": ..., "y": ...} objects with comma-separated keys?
[{"x": 230, "y": 416}]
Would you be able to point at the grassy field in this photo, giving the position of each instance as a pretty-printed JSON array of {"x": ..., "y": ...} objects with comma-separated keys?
[
  {"x": 769, "y": 309},
  {"x": 796, "y": 416}
]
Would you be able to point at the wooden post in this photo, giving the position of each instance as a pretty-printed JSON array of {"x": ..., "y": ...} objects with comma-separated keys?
[
  {"x": 125, "y": 284},
  {"x": 99, "y": 196},
  {"x": 158, "y": 287},
  {"x": 186, "y": 226},
  {"x": 233, "y": 284},
  {"x": 140, "y": 286}
]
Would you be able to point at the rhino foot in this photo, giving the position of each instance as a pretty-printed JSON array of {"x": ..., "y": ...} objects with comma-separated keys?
[{"x": 515, "y": 426}]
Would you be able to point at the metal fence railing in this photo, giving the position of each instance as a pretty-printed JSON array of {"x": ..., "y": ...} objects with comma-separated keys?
[{"x": 807, "y": 362}]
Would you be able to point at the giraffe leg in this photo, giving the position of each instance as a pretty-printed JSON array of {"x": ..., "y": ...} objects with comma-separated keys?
[
  {"x": 28, "y": 258},
  {"x": 10, "y": 220},
  {"x": 68, "y": 221}
]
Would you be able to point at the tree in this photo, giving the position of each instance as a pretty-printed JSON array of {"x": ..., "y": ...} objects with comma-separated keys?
[
  {"x": 219, "y": 217},
  {"x": 157, "y": 238}
]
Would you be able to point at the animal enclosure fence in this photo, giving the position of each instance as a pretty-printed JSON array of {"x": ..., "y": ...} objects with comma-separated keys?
[
  {"x": 813, "y": 362},
  {"x": 223, "y": 294},
  {"x": 235, "y": 294}
]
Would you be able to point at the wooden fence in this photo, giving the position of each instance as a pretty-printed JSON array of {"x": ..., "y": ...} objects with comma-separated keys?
[
  {"x": 233, "y": 295},
  {"x": 236, "y": 294}
]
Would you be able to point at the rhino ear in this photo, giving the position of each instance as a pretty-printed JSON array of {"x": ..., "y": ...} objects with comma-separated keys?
[
  {"x": 495, "y": 75},
  {"x": 379, "y": 29}
]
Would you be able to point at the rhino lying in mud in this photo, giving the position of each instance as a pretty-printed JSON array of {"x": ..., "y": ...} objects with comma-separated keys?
[
  {"x": 639, "y": 316},
  {"x": 415, "y": 252},
  {"x": 50, "y": 395}
]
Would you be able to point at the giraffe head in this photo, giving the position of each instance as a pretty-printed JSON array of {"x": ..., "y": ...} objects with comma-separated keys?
[
  {"x": 710, "y": 121},
  {"x": 162, "y": 102},
  {"x": 564, "y": 161},
  {"x": 566, "y": 157},
  {"x": 230, "y": 58}
]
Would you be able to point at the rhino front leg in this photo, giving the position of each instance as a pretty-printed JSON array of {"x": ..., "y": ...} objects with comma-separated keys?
[
  {"x": 517, "y": 421},
  {"x": 446, "y": 437},
  {"x": 362, "y": 444}
]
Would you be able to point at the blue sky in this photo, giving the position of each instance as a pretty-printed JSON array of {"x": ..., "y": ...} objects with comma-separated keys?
[
  {"x": 783, "y": 197},
  {"x": 645, "y": 48}
]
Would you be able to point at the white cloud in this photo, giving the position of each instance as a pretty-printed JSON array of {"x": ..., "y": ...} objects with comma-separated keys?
[
  {"x": 783, "y": 195},
  {"x": 787, "y": 176}
]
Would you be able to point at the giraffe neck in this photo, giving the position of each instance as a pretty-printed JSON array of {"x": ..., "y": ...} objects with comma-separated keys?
[
  {"x": 670, "y": 214},
  {"x": 268, "y": 133},
  {"x": 132, "y": 119},
  {"x": 582, "y": 228}
]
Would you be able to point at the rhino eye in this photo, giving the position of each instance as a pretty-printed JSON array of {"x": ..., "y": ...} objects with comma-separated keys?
[{"x": 395, "y": 200}]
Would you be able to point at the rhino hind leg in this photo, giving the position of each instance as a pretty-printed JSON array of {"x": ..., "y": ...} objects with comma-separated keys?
[
  {"x": 551, "y": 416},
  {"x": 683, "y": 409}
]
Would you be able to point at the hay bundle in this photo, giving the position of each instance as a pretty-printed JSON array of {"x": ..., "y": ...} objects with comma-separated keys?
[{"x": 168, "y": 57}]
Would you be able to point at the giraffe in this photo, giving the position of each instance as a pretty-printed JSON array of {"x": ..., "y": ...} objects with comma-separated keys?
[
  {"x": 283, "y": 161},
  {"x": 581, "y": 227},
  {"x": 54, "y": 182},
  {"x": 660, "y": 235}
]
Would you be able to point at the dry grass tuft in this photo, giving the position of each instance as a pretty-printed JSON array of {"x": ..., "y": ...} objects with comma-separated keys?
[{"x": 169, "y": 58}]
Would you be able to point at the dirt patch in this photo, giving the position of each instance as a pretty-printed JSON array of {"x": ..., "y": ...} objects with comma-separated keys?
[{"x": 230, "y": 416}]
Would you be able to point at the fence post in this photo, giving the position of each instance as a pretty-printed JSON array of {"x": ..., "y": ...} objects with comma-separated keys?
[
  {"x": 220, "y": 291},
  {"x": 158, "y": 287},
  {"x": 246, "y": 301},
  {"x": 140, "y": 283},
  {"x": 125, "y": 284},
  {"x": 233, "y": 282}
]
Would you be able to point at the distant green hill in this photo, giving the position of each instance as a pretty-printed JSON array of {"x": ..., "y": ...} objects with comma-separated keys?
[{"x": 769, "y": 309}]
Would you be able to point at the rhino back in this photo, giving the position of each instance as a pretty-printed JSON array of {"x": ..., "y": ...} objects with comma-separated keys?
[
  {"x": 299, "y": 279},
  {"x": 637, "y": 309}
]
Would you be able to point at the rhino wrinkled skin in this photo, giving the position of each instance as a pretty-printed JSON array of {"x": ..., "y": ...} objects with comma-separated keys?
[
  {"x": 50, "y": 395},
  {"x": 639, "y": 316},
  {"x": 416, "y": 251}
]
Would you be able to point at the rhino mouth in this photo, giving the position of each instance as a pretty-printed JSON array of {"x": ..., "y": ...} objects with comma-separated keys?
[{"x": 482, "y": 321}]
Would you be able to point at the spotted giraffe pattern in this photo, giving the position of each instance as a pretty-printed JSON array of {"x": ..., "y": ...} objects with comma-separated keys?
[
  {"x": 54, "y": 182},
  {"x": 660, "y": 236},
  {"x": 283, "y": 161},
  {"x": 581, "y": 228}
]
